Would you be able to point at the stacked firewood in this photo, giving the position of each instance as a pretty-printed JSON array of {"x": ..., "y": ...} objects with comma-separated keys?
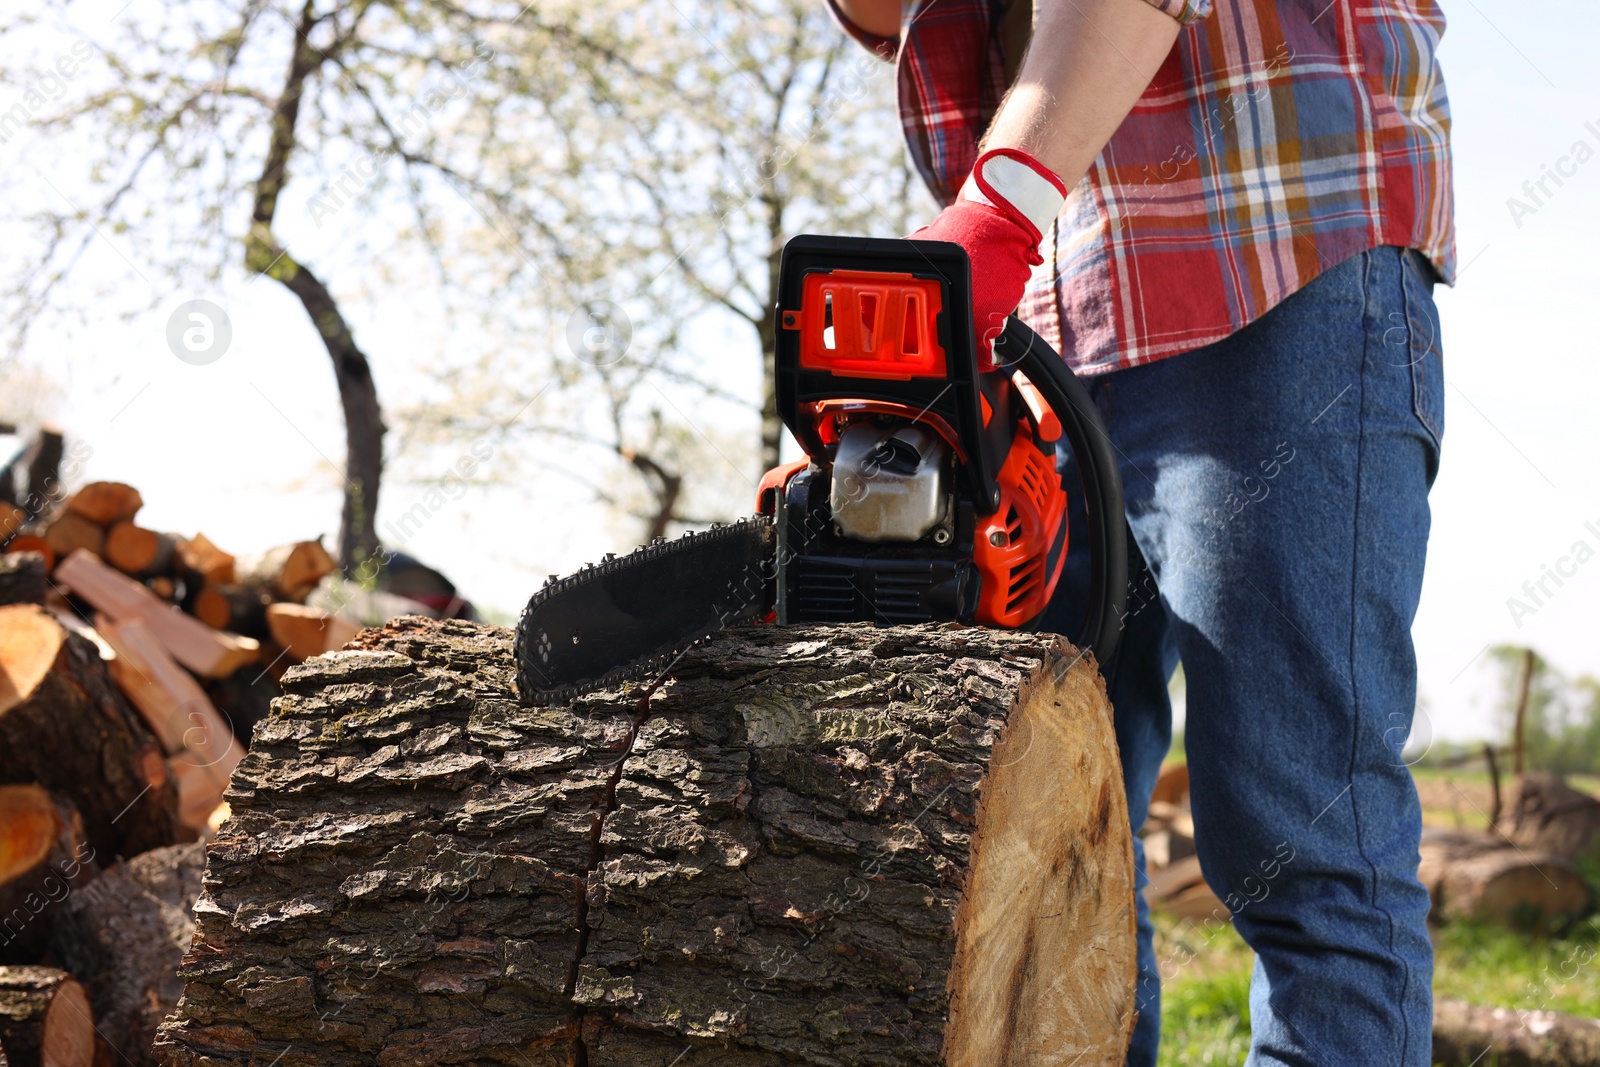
[
  {"x": 133, "y": 664},
  {"x": 193, "y": 637}
]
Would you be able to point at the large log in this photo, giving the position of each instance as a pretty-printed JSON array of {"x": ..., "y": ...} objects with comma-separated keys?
[
  {"x": 43, "y": 859},
  {"x": 64, "y": 724},
  {"x": 1481, "y": 877},
  {"x": 1547, "y": 815},
  {"x": 837, "y": 846},
  {"x": 1471, "y": 1035},
  {"x": 124, "y": 936},
  {"x": 45, "y": 1018}
]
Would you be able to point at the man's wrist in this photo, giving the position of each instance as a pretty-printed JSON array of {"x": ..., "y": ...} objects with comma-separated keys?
[{"x": 1014, "y": 182}]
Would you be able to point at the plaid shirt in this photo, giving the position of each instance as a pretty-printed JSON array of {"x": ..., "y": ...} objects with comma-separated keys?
[{"x": 1279, "y": 138}]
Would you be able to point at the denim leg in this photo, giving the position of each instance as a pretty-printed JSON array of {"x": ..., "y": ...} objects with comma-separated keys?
[{"x": 1277, "y": 486}]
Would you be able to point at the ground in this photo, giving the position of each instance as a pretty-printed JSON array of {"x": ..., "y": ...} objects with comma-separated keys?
[{"x": 1206, "y": 1006}]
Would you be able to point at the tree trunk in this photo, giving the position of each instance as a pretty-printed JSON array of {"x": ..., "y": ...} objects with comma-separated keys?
[
  {"x": 814, "y": 846},
  {"x": 363, "y": 418},
  {"x": 1482, "y": 878},
  {"x": 45, "y": 1018},
  {"x": 124, "y": 937},
  {"x": 22, "y": 578},
  {"x": 43, "y": 463},
  {"x": 1466, "y": 1034},
  {"x": 64, "y": 724},
  {"x": 43, "y": 858}
]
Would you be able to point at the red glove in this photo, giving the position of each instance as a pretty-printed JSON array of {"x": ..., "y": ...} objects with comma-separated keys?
[{"x": 999, "y": 217}]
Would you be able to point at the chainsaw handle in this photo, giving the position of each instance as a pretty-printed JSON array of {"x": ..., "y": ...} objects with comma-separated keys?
[{"x": 1091, "y": 445}]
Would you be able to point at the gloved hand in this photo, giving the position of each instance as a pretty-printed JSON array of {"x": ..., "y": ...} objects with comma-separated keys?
[{"x": 999, "y": 217}]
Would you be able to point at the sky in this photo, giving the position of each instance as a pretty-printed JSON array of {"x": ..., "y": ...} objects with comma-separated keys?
[{"x": 246, "y": 448}]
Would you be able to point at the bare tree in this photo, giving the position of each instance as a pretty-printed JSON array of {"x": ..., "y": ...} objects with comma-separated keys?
[{"x": 529, "y": 163}]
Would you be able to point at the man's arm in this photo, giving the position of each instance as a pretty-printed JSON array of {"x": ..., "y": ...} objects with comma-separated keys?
[
  {"x": 1088, "y": 64},
  {"x": 880, "y": 17}
]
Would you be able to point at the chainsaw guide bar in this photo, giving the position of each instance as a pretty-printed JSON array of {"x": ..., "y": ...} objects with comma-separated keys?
[{"x": 628, "y": 618}]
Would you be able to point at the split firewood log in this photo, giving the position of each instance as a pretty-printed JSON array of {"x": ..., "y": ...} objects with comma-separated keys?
[
  {"x": 124, "y": 936},
  {"x": 134, "y": 550},
  {"x": 304, "y": 632},
  {"x": 240, "y": 608},
  {"x": 65, "y": 725},
  {"x": 202, "y": 746},
  {"x": 106, "y": 503},
  {"x": 1477, "y": 876},
  {"x": 288, "y": 572},
  {"x": 813, "y": 845},
  {"x": 43, "y": 859},
  {"x": 207, "y": 652},
  {"x": 23, "y": 578},
  {"x": 45, "y": 1018},
  {"x": 1471, "y": 1035},
  {"x": 204, "y": 561},
  {"x": 69, "y": 532}
]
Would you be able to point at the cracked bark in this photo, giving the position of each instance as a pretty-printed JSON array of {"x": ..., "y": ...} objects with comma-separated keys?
[{"x": 812, "y": 846}]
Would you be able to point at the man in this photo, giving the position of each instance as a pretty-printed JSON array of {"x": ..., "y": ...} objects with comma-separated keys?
[{"x": 1242, "y": 212}]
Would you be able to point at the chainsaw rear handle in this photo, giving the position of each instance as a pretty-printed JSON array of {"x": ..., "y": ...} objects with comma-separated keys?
[{"x": 1107, "y": 600}]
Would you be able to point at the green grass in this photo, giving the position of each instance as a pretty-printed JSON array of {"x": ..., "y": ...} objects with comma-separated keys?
[
  {"x": 1205, "y": 1010},
  {"x": 1205, "y": 1004},
  {"x": 1492, "y": 965}
]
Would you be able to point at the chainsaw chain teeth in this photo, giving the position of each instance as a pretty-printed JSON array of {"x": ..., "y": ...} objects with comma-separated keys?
[{"x": 649, "y": 670}]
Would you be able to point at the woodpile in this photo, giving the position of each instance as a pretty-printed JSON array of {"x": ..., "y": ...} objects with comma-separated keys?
[
  {"x": 126, "y": 703},
  {"x": 1484, "y": 878},
  {"x": 195, "y": 638},
  {"x": 829, "y": 845},
  {"x": 1176, "y": 884}
]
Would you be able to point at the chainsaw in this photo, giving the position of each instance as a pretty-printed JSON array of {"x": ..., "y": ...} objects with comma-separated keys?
[{"x": 928, "y": 492}]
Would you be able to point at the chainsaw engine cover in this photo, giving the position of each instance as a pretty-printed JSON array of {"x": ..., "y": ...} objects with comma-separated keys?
[{"x": 888, "y": 481}]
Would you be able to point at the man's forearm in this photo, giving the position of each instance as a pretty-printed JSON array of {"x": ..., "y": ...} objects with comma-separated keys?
[{"x": 1088, "y": 64}]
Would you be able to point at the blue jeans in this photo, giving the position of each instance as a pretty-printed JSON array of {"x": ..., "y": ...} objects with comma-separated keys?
[{"x": 1277, "y": 487}]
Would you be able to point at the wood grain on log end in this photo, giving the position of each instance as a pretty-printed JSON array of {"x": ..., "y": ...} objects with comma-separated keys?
[
  {"x": 45, "y": 1018},
  {"x": 774, "y": 859}
]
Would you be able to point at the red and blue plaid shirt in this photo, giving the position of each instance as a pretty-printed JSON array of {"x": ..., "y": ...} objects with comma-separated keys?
[{"x": 1279, "y": 138}]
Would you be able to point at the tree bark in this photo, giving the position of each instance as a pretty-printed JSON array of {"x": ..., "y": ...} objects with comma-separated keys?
[
  {"x": 22, "y": 578},
  {"x": 1482, "y": 878},
  {"x": 1467, "y": 1034},
  {"x": 836, "y": 846},
  {"x": 45, "y": 1018},
  {"x": 124, "y": 937},
  {"x": 64, "y": 724},
  {"x": 43, "y": 463}
]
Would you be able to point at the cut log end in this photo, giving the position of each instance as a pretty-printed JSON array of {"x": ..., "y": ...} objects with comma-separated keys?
[
  {"x": 29, "y": 827},
  {"x": 1041, "y": 838},
  {"x": 30, "y": 641},
  {"x": 45, "y": 1018},
  {"x": 137, "y": 551},
  {"x": 106, "y": 503}
]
